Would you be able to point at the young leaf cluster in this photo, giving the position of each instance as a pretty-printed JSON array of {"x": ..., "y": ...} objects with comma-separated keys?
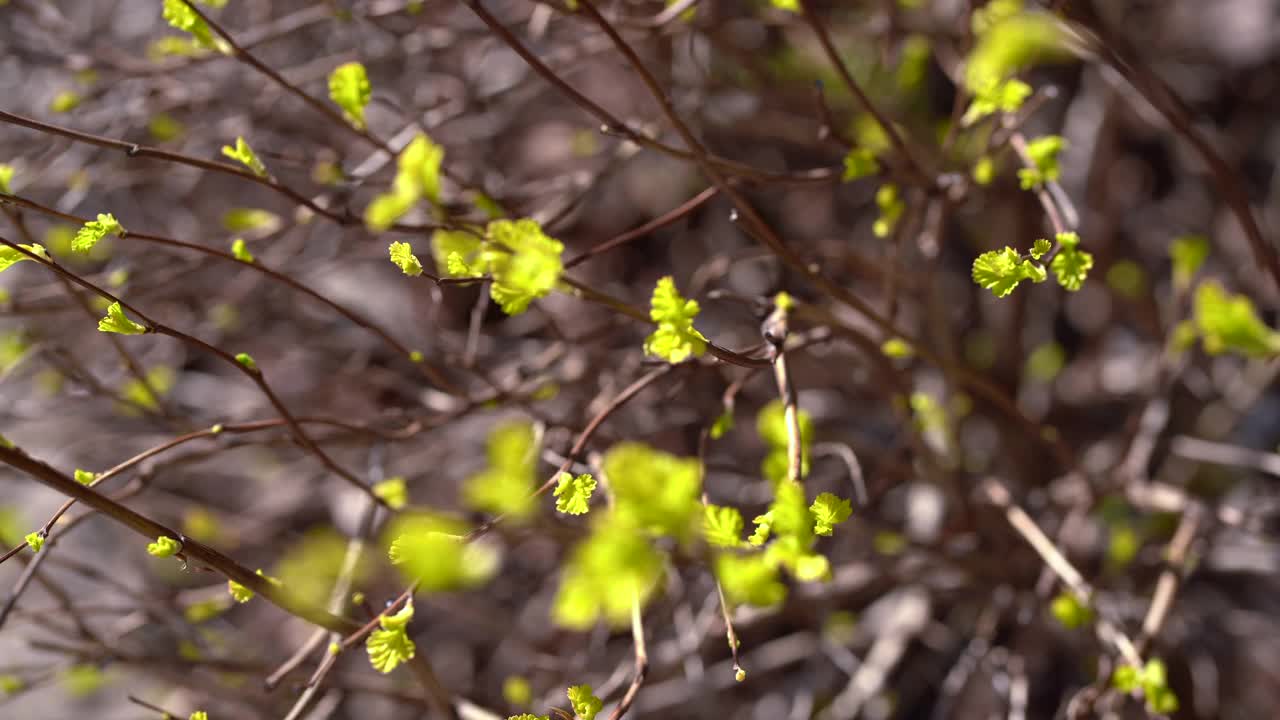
[
  {"x": 349, "y": 88},
  {"x": 417, "y": 177},
  {"x": 390, "y": 645},
  {"x": 427, "y": 548},
  {"x": 1152, "y": 681},
  {"x": 1000, "y": 271},
  {"x": 506, "y": 486},
  {"x": 675, "y": 340}
]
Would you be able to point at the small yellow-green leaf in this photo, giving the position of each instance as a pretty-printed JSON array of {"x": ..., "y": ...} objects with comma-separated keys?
[{"x": 349, "y": 89}]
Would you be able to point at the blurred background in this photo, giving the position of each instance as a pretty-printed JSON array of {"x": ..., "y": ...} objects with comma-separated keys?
[{"x": 1142, "y": 456}]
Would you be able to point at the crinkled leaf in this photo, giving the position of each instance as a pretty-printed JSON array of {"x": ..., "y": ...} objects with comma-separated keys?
[
  {"x": 117, "y": 322},
  {"x": 402, "y": 257},
  {"x": 1071, "y": 265},
  {"x": 585, "y": 705},
  {"x": 349, "y": 89},
  {"x": 828, "y": 511},
  {"x": 91, "y": 232},
  {"x": 573, "y": 494},
  {"x": 525, "y": 263},
  {"x": 722, "y": 526},
  {"x": 675, "y": 339}
]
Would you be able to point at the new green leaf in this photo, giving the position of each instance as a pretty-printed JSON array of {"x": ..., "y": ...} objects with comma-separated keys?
[
  {"x": 117, "y": 322},
  {"x": 828, "y": 511},
  {"x": 585, "y": 705},
  {"x": 402, "y": 257},
  {"x": 163, "y": 547},
  {"x": 349, "y": 89},
  {"x": 1000, "y": 271},
  {"x": 35, "y": 541},
  {"x": 91, "y": 232},
  {"x": 525, "y": 263},
  {"x": 573, "y": 494},
  {"x": 1071, "y": 265},
  {"x": 240, "y": 252},
  {"x": 859, "y": 163},
  {"x": 389, "y": 645},
  {"x": 1229, "y": 323},
  {"x": 393, "y": 491},
  {"x": 722, "y": 526},
  {"x": 676, "y": 339},
  {"x": 9, "y": 256},
  {"x": 245, "y": 155}
]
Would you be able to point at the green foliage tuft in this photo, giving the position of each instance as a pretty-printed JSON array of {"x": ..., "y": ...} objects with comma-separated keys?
[
  {"x": 117, "y": 322},
  {"x": 525, "y": 263},
  {"x": 245, "y": 155},
  {"x": 94, "y": 230},
  {"x": 402, "y": 257},
  {"x": 389, "y": 645},
  {"x": 573, "y": 494},
  {"x": 859, "y": 163},
  {"x": 240, "y": 252},
  {"x": 828, "y": 511},
  {"x": 1229, "y": 323},
  {"x": 585, "y": 705},
  {"x": 393, "y": 491},
  {"x": 722, "y": 526},
  {"x": 164, "y": 547},
  {"x": 428, "y": 549},
  {"x": 1071, "y": 265},
  {"x": 506, "y": 486},
  {"x": 349, "y": 89},
  {"x": 675, "y": 340}
]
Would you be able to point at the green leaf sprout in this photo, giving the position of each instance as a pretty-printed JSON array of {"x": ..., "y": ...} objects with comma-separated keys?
[
  {"x": 1071, "y": 265},
  {"x": 1152, "y": 680},
  {"x": 859, "y": 163},
  {"x": 402, "y": 257},
  {"x": 995, "y": 96},
  {"x": 1000, "y": 271},
  {"x": 240, "y": 252},
  {"x": 35, "y": 541},
  {"x": 349, "y": 89},
  {"x": 1229, "y": 323},
  {"x": 245, "y": 155},
  {"x": 457, "y": 253},
  {"x": 427, "y": 548},
  {"x": 525, "y": 263},
  {"x": 94, "y": 230},
  {"x": 573, "y": 494},
  {"x": 393, "y": 491},
  {"x": 722, "y": 526},
  {"x": 389, "y": 645},
  {"x": 1188, "y": 254},
  {"x": 506, "y": 486},
  {"x": 247, "y": 360},
  {"x": 1043, "y": 153},
  {"x": 164, "y": 547},
  {"x": 1070, "y": 612},
  {"x": 84, "y": 477},
  {"x": 675, "y": 340},
  {"x": 9, "y": 256},
  {"x": 117, "y": 322},
  {"x": 891, "y": 207},
  {"x": 585, "y": 705},
  {"x": 183, "y": 18},
  {"x": 828, "y": 511}
]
